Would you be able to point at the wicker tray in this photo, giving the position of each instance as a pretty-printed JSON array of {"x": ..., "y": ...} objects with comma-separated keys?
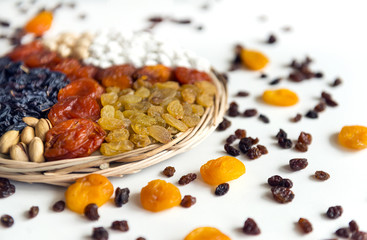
[{"x": 64, "y": 172}]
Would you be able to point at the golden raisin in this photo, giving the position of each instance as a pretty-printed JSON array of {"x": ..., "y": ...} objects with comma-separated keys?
[
  {"x": 40, "y": 23},
  {"x": 159, "y": 195},
  {"x": 222, "y": 170},
  {"x": 253, "y": 60},
  {"x": 93, "y": 188},
  {"x": 354, "y": 137},
  {"x": 206, "y": 233},
  {"x": 280, "y": 97}
]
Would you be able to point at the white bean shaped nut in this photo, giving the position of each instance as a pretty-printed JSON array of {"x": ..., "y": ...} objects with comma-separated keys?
[
  {"x": 36, "y": 150},
  {"x": 7, "y": 140},
  {"x": 19, "y": 152},
  {"x": 27, "y": 135}
]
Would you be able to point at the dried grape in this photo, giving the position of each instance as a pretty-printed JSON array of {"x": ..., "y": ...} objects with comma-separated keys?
[{"x": 159, "y": 133}]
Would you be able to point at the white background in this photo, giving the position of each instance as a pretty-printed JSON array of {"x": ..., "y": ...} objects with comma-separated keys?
[{"x": 331, "y": 32}]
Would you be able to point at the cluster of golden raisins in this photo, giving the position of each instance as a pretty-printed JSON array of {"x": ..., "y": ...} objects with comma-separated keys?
[{"x": 148, "y": 113}]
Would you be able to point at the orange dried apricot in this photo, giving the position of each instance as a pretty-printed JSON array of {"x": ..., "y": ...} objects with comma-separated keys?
[
  {"x": 154, "y": 74},
  {"x": 222, "y": 170},
  {"x": 93, "y": 188},
  {"x": 40, "y": 23},
  {"x": 206, "y": 233},
  {"x": 159, "y": 195},
  {"x": 354, "y": 137},
  {"x": 117, "y": 76},
  {"x": 81, "y": 87},
  {"x": 189, "y": 76},
  {"x": 253, "y": 60},
  {"x": 280, "y": 97}
]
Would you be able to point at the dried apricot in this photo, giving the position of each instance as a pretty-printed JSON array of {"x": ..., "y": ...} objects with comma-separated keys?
[
  {"x": 93, "y": 188},
  {"x": 39, "y": 59},
  {"x": 154, "y": 74},
  {"x": 81, "y": 87},
  {"x": 159, "y": 195},
  {"x": 189, "y": 76},
  {"x": 40, "y": 23},
  {"x": 253, "y": 60},
  {"x": 69, "y": 66},
  {"x": 354, "y": 137},
  {"x": 20, "y": 52},
  {"x": 280, "y": 97},
  {"x": 206, "y": 233},
  {"x": 222, "y": 170},
  {"x": 117, "y": 76}
]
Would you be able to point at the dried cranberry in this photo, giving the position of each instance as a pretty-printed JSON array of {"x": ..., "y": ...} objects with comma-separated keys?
[
  {"x": 121, "y": 196},
  {"x": 231, "y": 150},
  {"x": 221, "y": 189},
  {"x": 91, "y": 212},
  {"x": 120, "y": 226},
  {"x": 250, "y": 227},
  {"x": 334, "y": 212},
  {"x": 297, "y": 164},
  {"x": 186, "y": 179},
  {"x": 169, "y": 171},
  {"x": 188, "y": 201},
  {"x": 282, "y": 194}
]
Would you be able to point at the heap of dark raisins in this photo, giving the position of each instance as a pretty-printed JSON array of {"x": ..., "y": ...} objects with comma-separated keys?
[{"x": 26, "y": 92}]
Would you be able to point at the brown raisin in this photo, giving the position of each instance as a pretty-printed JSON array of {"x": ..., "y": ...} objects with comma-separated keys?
[
  {"x": 320, "y": 107},
  {"x": 233, "y": 109},
  {"x": 321, "y": 175},
  {"x": 264, "y": 118},
  {"x": 286, "y": 183},
  {"x": 285, "y": 143},
  {"x": 305, "y": 138},
  {"x": 169, "y": 171},
  {"x": 59, "y": 206},
  {"x": 254, "y": 140},
  {"x": 188, "y": 201},
  {"x": 186, "y": 179},
  {"x": 253, "y": 153},
  {"x": 296, "y": 118},
  {"x": 297, "y": 164},
  {"x": 91, "y": 212},
  {"x": 99, "y": 233},
  {"x": 242, "y": 94},
  {"x": 231, "y": 150},
  {"x": 305, "y": 225},
  {"x": 274, "y": 180},
  {"x": 359, "y": 236},
  {"x": 275, "y": 81},
  {"x": 245, "y": 144},
  {"x": 250, "y": 227},
  {"x": 343, "y": 232},
  {"x": 263, "y": 150},
  {"x": 120, "y": 226},
  {"x": 6, "y": 188},
  {"x": 121, "y": 196},
  {"x": 224, "y": 125},
  {"x": 250, "y": 112},
  {"x": 231, "y": 139},
  {"x": 334, "y": 212},
  {"x": 336, "y": 82},
  {"x": 7, "y": 220},
  {"x": 281, "y": 134},
  {"x": 240, "y": 133},
  {"x": 302, "y": 147},
  {"x": 33, "y": 212},
  {"x": 312, "y": 114},
  {"x": 328, "y": 99},
  {"x": 140, "y": 238},
  {"x": 282, "y": 194},
  {"x": 353, "y": 226},
  {"x": 271, "y": 39},
  {"x": 221, "y": 189}
]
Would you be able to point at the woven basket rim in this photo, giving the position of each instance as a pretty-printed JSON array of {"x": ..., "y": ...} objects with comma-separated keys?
[{"x": 64, "y": 172}]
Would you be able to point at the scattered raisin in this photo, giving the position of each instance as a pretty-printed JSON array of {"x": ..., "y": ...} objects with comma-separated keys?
[
  {"x": 188, "y": 201},
  {"x": 231, "y": 139},
  {"x": 336, "y": 82},
  {"x": 59, "y": 206},
  {"x": 286, "y": 183},
  {"x": 224, "y": 125},
  {"x": 305, "y": 138},
  {"x": 342, "y": 232},
  {"x": 186, "y": 179},
  {"x": 321, "y": 175},
  {"x": 285, "y": 143},
  {"x": 240, "y": 133},
  {"x": 263, "y": 150},
  {"x": 140, "y": 238},
  {"x": 281, "y": 134},
  {"x": 319, "y": 75},
  {"x": 169, "y": 171},
  {"x": 320, "y": 107},
  {"x": 328, "y": 99},
  {"x": 250, "y": 227},
  {"x": 297, "y": 164},
  {"x": 264, "y": 118},
  {"x": 275, "y": 81},
  {"x": 271, "y": 39},
  {"x": 253, "y": 153},
  {"x": 242, "y": 94},
  {"x": 245, "y": 144},
  {"x": 121, "y": 196},
  {"x": 359, "y": 236},
  {"x": 6, "y": 188},
  {"x": 305, "y": 225},
  {"x": 250, "y": 112},
  {"x": 233, "y": 109},
  {"x": 274, "y": 180},
  {"x": 312, "y": 114},
  {"x": 120, "y": 225},
  {"x": 334, "y": 212},
  {"x": 263, "y": 75},
  {"x": 7, "y": 220},
  {"x": 353, "y": 226},
  {"x": 282, "y": 194},
  {"x": 231, "y": 150},
  {"x": 99, "y": 233},
  {"x": 221, "y": 189},
  {"x": 254, "y": 140},
  {"x": 33, "y": 212},
  {"x": 91, "y": 212},
  {"x": 301, "y": 147},
  {"x": 296, "y": 118}
]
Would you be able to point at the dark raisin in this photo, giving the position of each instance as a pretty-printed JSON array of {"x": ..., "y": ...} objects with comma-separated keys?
[
  {"x": 305, "y": 138},
  {"x": 319, "y": 75},
  {"x": 224, "y": 125},
  {"x": 271, "y": 39},
  {"x": 336, "y": 82},
  {"x": 7, "y": 220},
  {"x": 263, "y": 150},
  {"x": 282, "y": 194},
  {"x": 264, "y": 118},
  {"x": 321, "y": 175},
  {"x": 231, "y": 150},
  {"x": 353, "y": 226},
  {"x": 169, "y": 171},
  {"x": 245, "y": 144},
  {"x": 140, "y": 238},
  {"x": 4, "y": 23},
  {"x": 359, "y": 236},
  {"x": 274, "y": 180},
  {"x": 342, "y": 232},
  {"x": 286, "y": 183},
  {"x": 6, "y": 188},
  {"x": 155, "y": 19},
  {"x": 263, "y": 75},
  {"x": 254, "y": 140},
  {"x": 188, "y": 201},
  {"x": 240, "y": 133},
  {"x": 120, "y": 226},
  {"x": 33, "y": 212},
  {"x": 181, "y": 21},
  {"x": 305, "y": 225},
  {"x": 250, "y": 227},
  {"x": 242, "y": 94},
  {"x": 281, "y": 134},
  {"x": 233, "y": 109},
  {"x": 285, "y": 143},
  {"x": 320, "y": 107},
  {"x": 221, "y": 189},
  {"x": 231, "y": 139},
  {"x": 275, "y": 81},
  {"x": 186, "y": 179},
  {"x": 121, "y": 196},
  {"x": 312, "y": 114},
  {"x": 297, "y": 118},
  {"x": 236, "y": 63},
  {"x": 99, "y": 233},
  {"x": 59, "y": 206},
  {"x": 297, "y": 164},
  {"x": 334, "y": 212},
  {"x": 328, "y": 99},
  {"x": 91, "y": 212},
  {"x": 301, "y": 147},
  {"x": 253, "y": 153},
  {"x": 250, "y": 112}
]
